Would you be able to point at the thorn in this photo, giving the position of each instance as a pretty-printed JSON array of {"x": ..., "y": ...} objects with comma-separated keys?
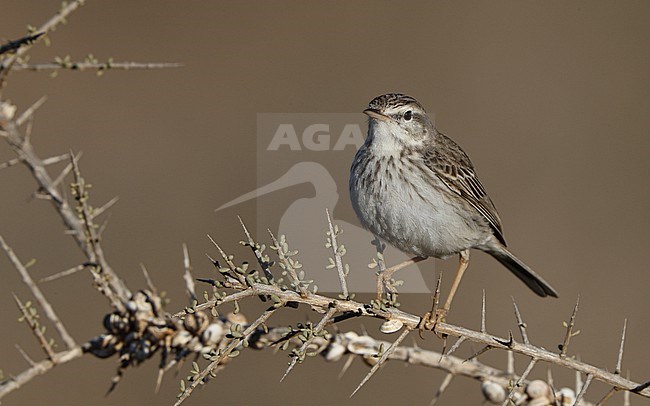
[
  {"x": 479, "y": 352},
  {"x": 30, "y": 111},
  {"x": 223, "y": 254},
  {"x": 383, "y": 359},
  {"x": 509, "y": 343},
  {"x": 607, "y": 396},
  {"x": 520, "y": 323},
  {"x": 61, "y": 274},
  {"x": 161, "y": 373},
  {"x": 521, "y": 379},
  {"x": 98, "y": 212},
  {"x": 346, "y": 366},
  {"x": 147, "y": 278},
  {"x": 187, "y": 275},
  {"x": 443, "y": 386},
  {"x": 65, "y": 172},
  {"x": 56, "y": 159},
  {"x": 619, "y": 361},
  {"x": 456, "y": 345},
  {"x": 102, "y": 228},
  {"x": 24, "y": 354},
  {"x": 483, "y": 330},
  {"x": 583, "y": 390},
  {"x": 626, "y": 394}
]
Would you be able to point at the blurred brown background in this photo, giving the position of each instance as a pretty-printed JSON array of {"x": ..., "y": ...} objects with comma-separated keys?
[{"x": 550, "y": 99}]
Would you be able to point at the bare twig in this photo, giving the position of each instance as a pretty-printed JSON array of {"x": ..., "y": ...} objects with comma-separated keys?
[
  {"x": 223, "y": 354},
  {"x": 288, "y": 265},
  {"x": 17, "y": 381},
  {"x": 303, "y": 348},
  {"x": 39, "y": 296},
  {"x": 257, "y": 251},
  {"x": 569, "y": 330},
  {"x": 333, "y": 244},
  {"x": 107, "y": 281},
  {"x": 35, "y": 327},
  {"x": 228, "y": 260},
  {"x": 49, "y": 25},
  {"x": 98, "y": 66},
  {"x": 520, "y": 381}
]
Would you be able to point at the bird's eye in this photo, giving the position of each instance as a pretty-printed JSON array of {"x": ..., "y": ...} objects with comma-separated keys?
[{"x": 408, "y": 115}]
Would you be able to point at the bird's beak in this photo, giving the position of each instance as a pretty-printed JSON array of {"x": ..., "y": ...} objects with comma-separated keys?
[{"x": 375, "y": 114}]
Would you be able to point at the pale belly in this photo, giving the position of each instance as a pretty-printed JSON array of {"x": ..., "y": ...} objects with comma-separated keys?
[{"x": 418, "y": 219}]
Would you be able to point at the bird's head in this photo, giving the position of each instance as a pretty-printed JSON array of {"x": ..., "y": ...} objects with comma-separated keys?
[{"x": 398, "y": 118}]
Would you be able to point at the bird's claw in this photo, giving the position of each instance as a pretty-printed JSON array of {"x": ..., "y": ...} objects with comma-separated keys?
[{"x": 431, "y": 320}]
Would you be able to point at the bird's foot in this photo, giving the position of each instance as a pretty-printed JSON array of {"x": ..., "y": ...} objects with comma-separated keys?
[{"x": 430, "y": 320}]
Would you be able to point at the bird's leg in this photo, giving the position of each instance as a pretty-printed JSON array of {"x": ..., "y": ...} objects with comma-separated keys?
[
  {"x": 431, "y": 319},
  {"x": 463, "y": 263},
  {"x": 383, "y": 277}
]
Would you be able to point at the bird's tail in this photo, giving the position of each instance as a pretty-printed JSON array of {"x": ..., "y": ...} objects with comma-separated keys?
[{"x": 522, "y": 271}]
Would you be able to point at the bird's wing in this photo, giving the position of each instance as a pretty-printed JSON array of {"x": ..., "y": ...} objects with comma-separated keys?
[{"x": 454, "y": 168}]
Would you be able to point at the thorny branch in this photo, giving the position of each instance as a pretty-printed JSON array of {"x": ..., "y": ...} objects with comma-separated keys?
[
  {"x": 190, "y": 332},
  {"x": 82, "y": 229},
  {"x": 138, "y": 328},
  {"x": 48, "y": 26}
]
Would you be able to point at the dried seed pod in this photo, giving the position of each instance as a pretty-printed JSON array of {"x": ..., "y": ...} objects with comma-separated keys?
[
  {"x": 371, "y": 360},
  {"x": 350, "y": 335},
  {"x": 391, "y": 326},
  {"x": 213, "y": 334},
  {"x": 181, "y": 339},
  {"x": 335, "y": 352},
  {"x": 103, "y": 346},
  {"x": 237, "y": 318},
  {"x": 566, "y": 396},
  {"x": 196, "y": 322},
  {"x": 543, "y": 401},
  {"x": 363, "y": 345},
  {"x": 159, "y": 331},
  {"x": 493, "y": 392},
  {"x": 538, "y": 389},
  {"x": 144, "y": 350},
  {"x": 116, "y": 323}
]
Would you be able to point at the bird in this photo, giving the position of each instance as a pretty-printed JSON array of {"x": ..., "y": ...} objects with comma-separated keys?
[{"x": 416, "y": 188}]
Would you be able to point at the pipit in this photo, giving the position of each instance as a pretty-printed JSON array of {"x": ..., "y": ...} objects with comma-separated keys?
[{"x": 415, "y": 188}]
